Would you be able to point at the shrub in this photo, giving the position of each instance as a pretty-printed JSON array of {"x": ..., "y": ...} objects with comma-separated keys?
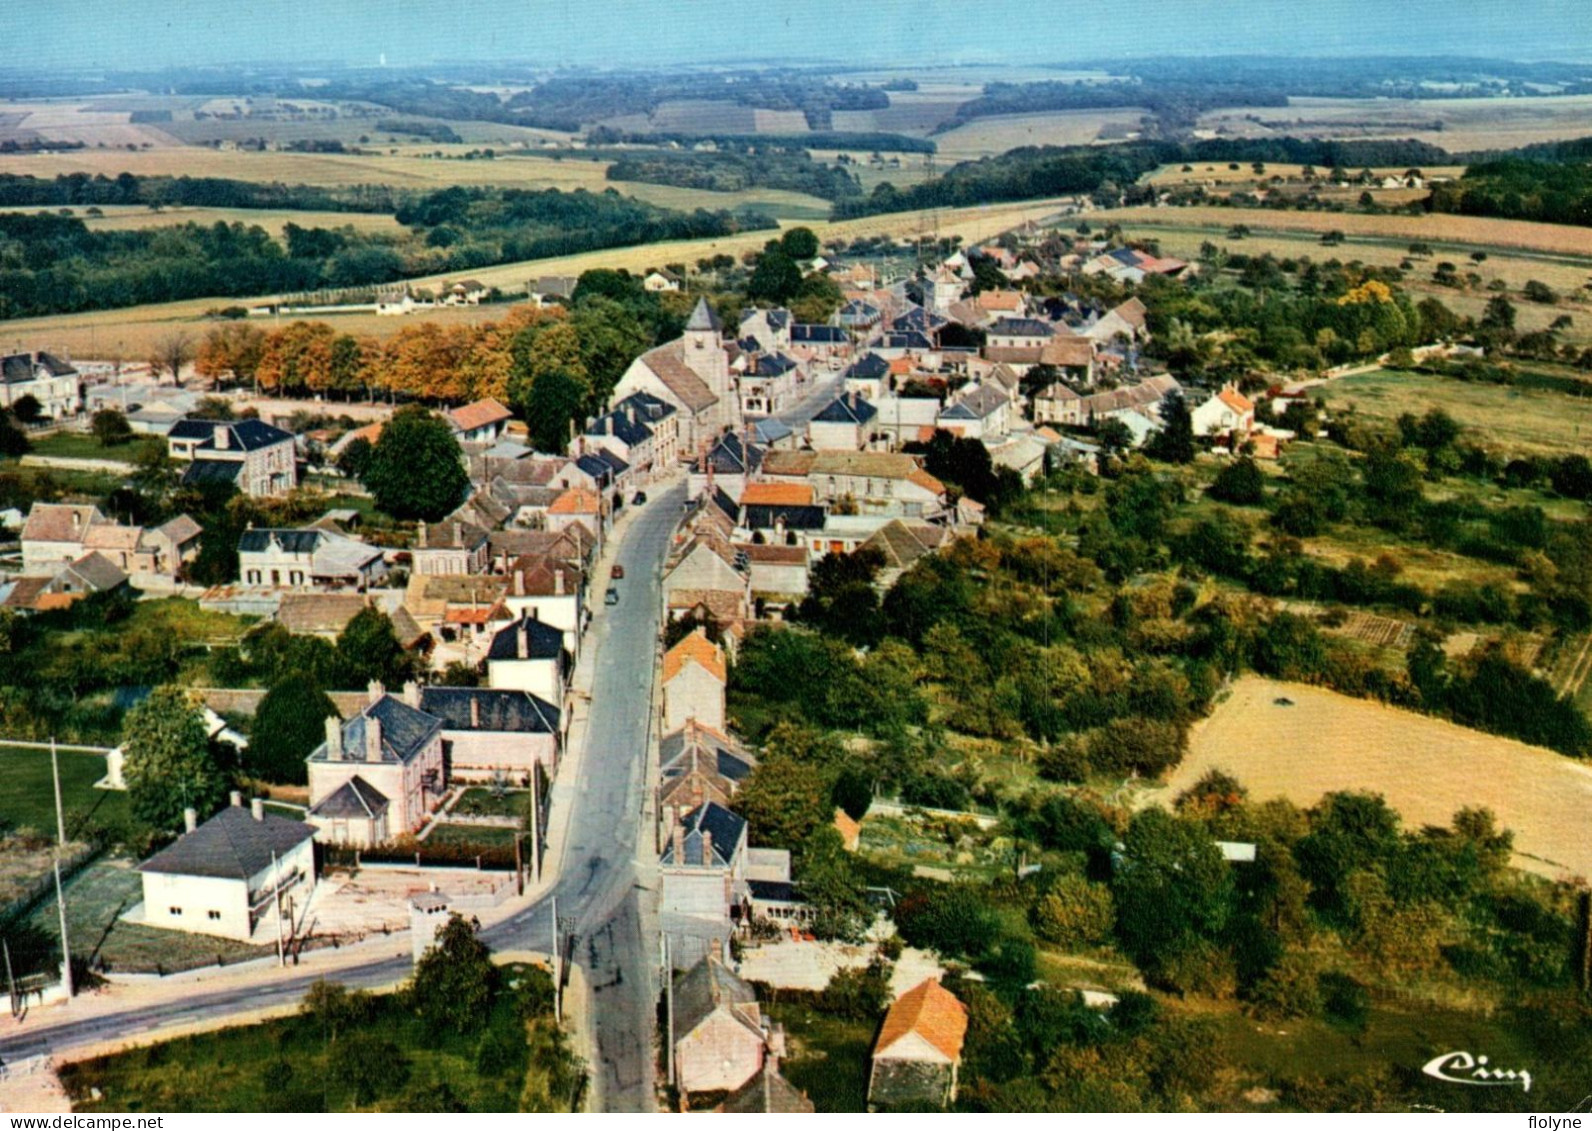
[
  {"x": 1075, "y": 913},
  {"x": 1290, "y": 989}
]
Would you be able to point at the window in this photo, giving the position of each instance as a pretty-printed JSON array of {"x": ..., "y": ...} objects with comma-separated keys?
[
  {"x": 215, "y": 916},
  {"x": 176, "y": 911}
]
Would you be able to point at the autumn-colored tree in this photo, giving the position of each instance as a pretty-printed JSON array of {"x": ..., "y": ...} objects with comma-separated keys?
[{"x": 230, "y": 351}]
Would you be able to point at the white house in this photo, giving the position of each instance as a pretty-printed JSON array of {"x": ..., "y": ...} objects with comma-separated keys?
[
  {"x": 230, "y": 874},
  {"x": 486, "y": 731},
  {"x": 529, "y": 655},
  {"x": 844, "y": 423},
  {"x": 378, "y": 774},
  {"x": 255, "y": 457},
  {"x": 55, "y": 384},
  {"x": 1225, "y": 412},
  {"x": 694, "y": 677}
]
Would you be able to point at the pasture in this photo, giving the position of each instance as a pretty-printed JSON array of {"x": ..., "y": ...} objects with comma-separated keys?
[
  {"x": 1513, "y": 419},
  {"x": 133, "y": 217},
  {"x": 1300, "y": 742},
  {"x": 1466, "y": 123}
]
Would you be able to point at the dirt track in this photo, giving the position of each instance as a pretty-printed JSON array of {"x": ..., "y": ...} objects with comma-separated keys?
[{"x": 1425, "y": 768}]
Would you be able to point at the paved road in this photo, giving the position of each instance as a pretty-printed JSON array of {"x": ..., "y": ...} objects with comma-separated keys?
[
  {"x": 599, "y": 892},
  {"x": 596, "y": 891}
]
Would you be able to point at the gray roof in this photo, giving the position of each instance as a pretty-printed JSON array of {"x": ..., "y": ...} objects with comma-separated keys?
[
  {"x": 202, "y": 471},
  {"x": 693, "y": 745},
  {"x": 496, "y": 710},
  {"x": 704, "y": 989},
  {"x": 1021, "y": 328},
  {"x": 231, "y": 845},
  {"x": 768, "y": 1091},
  {"x": 771, "y": 429},
  {"x": 258, "y": 541},
  {"x": 405, "y": 732},
  {"x": 356, "y": 798},
  {"x": 848, "y": 409},
  {"x": 542, "y": 641},
  {"x": 764, "y": 516},
  {"x": 243, "y": 435},
  {"x": 721, "y": 828},
  {"x": 97, "y": 572},
  {"x": 703, "y": 318}
]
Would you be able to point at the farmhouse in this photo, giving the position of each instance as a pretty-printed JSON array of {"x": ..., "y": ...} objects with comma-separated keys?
[{"x": 230, "y": 874}]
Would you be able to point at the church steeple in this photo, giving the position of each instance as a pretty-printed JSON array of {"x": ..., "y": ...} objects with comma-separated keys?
[{"x": 703, "y": 320}]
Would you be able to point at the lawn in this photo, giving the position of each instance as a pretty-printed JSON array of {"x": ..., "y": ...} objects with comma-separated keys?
[
  {"x": 97, "y": 897},
  {"x": 291, "y": 1064},
  {"x": 481, "y": 802},
  {"x": 1512, "y": 419},
  {"x": 27, "y": 797},
  {"x": 484, "y": 837},
  {"x": 827, "y": 1056},
  {"x": 81, "y": 445}
]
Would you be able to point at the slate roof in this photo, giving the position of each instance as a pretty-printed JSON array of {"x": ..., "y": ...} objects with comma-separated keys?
[
  {"x": 770, "y": 430},
  {"x": 180, "y": 529},
  {"x": 848, "y": 409},
  {"x": 698, "y": 746},
  {"x": 729, "y": 455},
  {"x": 807, "y": 333},
  {"x": 981, "y": 401},
  {"x": 293, "y": 541},
  {"x": 704, "y": 989},
  {"x": 869, "y": 365},
  {"x": 703, "y": 318},
  {"x": 907, "y": 340},
  {"x": 595, "y": 466},
  {"x": 622, "y": 426},
  {"x": 405, "y": 732},
  {"x": 721, "y": 829},
  {"x": 902, "y": 544},
  {"x": 1021, "y": 328},
  {"x": 355, "y": 799},
  {"x": 762, "y": 516},
  {"x": 542, "y": 641},
  {"x": 772, "y": 365},
  {"x": 205, "y": 471},
  {"x": 231, "y": 845},
  {"x": 97, "y": 572},
  {"x": 647, "y": 406},
  {"x": 517, "y": 712},
  {"x": 244, "y": 435}
]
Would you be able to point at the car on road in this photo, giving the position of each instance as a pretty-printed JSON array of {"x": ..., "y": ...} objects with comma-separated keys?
[
  {"x": 611, "y": 597},
  {"x": 617, "y": 572},
  {"x": 638, "y": 499}
]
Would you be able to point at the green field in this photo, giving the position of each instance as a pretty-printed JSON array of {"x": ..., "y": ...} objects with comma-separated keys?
[
  {"x": 480, "y": 802},
  {"x": 81, "y": 445},
  {"x": 485, "y": 837},
  {"x": 27, "y": 798},
  {"x": 1514, "y": 420}
]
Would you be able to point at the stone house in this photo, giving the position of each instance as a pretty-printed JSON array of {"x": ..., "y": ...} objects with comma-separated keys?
[
  {"x": 702, "y": 875},
  {"x": 377, "y": 774},
  {"x": 255, "y": 457},
  {"x": 846, "y": 423},
  {"x": 50, "y": 380},
  {"x": 308, "y": 558},
  {"x": 449, "y": 548},
  {"x": 918, "y": 1054},
  {"x": 486, "y": 731},
  {"x": 721, "y": 1040},
  {"x": 694, "y": 677},
  {"x": 230, "y": 874},
  {"x": 693, "y": 375}
]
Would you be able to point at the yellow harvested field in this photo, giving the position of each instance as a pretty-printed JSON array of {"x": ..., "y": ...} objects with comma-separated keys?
[
  {"x": 1469, "y": 230},
  {"x": 137, "y": 216},
  {"x": 1426, "y": 768},
  {"x": 985, "y": 137},
  {"x": 137, "y": 328},
  {"x": 1467, "y": 123},
  {"x": 1217, "y": 172}
]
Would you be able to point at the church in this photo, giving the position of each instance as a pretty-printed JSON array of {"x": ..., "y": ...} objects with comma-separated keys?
[{"x": 692, "y": 373}]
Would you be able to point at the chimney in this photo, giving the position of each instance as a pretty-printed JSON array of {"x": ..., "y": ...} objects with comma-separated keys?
[
  {"x": 412, "y": 694},
  {"x": 237, "y": 799},
  {"x": 372, "y": 739},
  {"x": 257, "y": 808},
  {"x": 558, "y": 582},
  {"x": 707, "y": 850},
  {"x": 677, "y": 836},
  {"x": 223, "y": 436},
  {"x": 334, "y": 738},
  {"x": 475, "y": 712},
  {"x": 374, "y": 691},
  {"x": 519, "y": 583},
  {"x": 522, "y": 640},
  {"x": 190, "y": 820},
  {"x": 420, "y": 535}
]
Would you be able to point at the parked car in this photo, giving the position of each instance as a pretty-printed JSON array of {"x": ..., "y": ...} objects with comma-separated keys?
[
  {"x": 611, "y": 597},
  {"x": 638, "y": 498},
  {"x": 617, "y": 572}
]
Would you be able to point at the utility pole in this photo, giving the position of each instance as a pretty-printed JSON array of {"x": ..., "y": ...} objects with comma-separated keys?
[
  {"x": 558, "y": 962},
  {"x": 11, "y": 979},
  {"x": 276, "y": 904},
  {"x": 60, "y": 898},
  {"x": 668, "y": 1013},
  {"x": 536, "y": 827}
]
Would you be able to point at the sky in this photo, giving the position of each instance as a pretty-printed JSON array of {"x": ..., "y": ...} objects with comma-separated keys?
[{"x": 157, "y": 33}]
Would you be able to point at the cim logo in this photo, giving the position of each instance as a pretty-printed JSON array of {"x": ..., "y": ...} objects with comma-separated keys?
[{"x": 1463, "y": 1068}]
